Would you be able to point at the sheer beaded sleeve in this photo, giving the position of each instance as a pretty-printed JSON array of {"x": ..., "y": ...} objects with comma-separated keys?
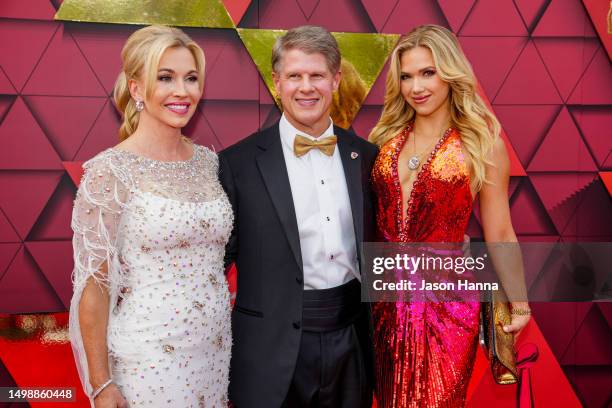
[{"x": 96, "y": 217}]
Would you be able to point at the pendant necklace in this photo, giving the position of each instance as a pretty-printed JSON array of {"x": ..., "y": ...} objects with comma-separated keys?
[{"x": 414, "y": 162}]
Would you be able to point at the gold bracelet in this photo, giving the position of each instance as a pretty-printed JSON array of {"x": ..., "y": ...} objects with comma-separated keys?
[{"x": 521, "y": 312}]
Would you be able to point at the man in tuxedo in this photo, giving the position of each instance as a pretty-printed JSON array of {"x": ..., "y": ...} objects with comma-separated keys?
[{"x": 302, "y": 203}]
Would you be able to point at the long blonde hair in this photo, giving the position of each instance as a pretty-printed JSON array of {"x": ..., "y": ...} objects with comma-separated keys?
[
  {"x": 140, "y": 60},
  {"x": 347, "y": 101},
  {"x": 476, "y": 124}
]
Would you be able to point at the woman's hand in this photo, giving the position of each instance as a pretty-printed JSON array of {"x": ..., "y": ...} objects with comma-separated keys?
[
  {"x": 110, "y": 397},
  {"x": 519, "y": 321}
]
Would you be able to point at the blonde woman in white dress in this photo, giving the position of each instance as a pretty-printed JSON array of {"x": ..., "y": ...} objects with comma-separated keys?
[{"x": 150, "y": 316}]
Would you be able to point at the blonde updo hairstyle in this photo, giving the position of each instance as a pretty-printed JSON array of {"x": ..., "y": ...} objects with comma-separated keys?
[
  {"x": 469, "y": 115},
  {"x": 140, "y": 60}
]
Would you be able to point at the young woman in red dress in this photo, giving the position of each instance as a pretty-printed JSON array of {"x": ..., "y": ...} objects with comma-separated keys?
[{"x": 439, "y": 150}]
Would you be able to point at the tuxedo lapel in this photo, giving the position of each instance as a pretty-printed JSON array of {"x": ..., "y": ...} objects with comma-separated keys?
[
  {"x": 351, "y": 161},
  {"x": 271, "y": 164}
]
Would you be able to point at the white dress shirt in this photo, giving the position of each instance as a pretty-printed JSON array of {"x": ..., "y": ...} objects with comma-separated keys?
[{"x": 323, "y": 212}]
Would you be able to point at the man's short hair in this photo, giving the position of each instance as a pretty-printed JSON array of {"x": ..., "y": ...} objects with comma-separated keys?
[{"x": 310, "y": 40}]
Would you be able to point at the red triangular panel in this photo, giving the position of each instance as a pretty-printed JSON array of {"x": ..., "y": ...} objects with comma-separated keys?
[
  {"x": 365, "y": 120},
  {"x": 563, "y": 148},
  {"x": 606, "y": 178},
  {"x": 592, "y": 218},
  {"x": 474, "y": 229},
  {"x": 494, "y": 18},
  {"x": 5, "y": 377},
  {"x": 65, "y": 135},
  {"x": 526, "y": 126},
  {"x": 308, "y": 7},
  {"x": 559, "y": 336},
  {"x": 6, "y": 88},
  {"x": 23, "y": 145},
  {"x": 270, "y": 16},
  {"x": 73, "y": 79},
  {"x": 233, "y": 76},
  {"x": 606, "y": 310},
  {"x": 410, "y": 13},
  {"x": 535, "y": 258},
  {"x": 5, "y": 104},
  {"x": 566, "y": 60},
  {"x": 340, "y": 16},
  {"x": 528, "y": 214},
  {"x": 530, "y": 9},
  {"x": 595, "y": 87},
  {"x": 200, "y": 132},
  {"x": 104, "y": 134},
  {"x": 597, "y": 9},
  {"x": 213, "y": 42},
  {"x": 592, "y": 383},
  {"x": 475, "y": 222},
  {"x": 101, "y": 47},
  {"x": 54, "y": 258},
  {"x": 54, "y": 221},
  {"x": 515, "y": 182},
  {"x": 75, "y": 171},
  {"x": 24, "y": 196},
  {"x": 594, "y": 124},
  {"x": 7, "y": 253},
  {"x": 23, "y": 289},
  {"x": 27, "y": 10},
  {"x": 57, "y": 3},
  {"x": 564, "y": 18},
  {"x": 554, "y": 189},
  {"x": 591, "y": 344},
  {"x": 376, "y": 96},
  {"x": 456, "y": 11},
  {"x": 492, "y": 58},
  {"x": 22, "y": 43},
  {"x": 265, "y": 97},
  {"x": 516, "y": 168},
  {"x": 608, "y": 163},
  {"x": 379, "y": 11},
  {"x": 539, "y": 89},
  {"x": 560, "y": 194},
  {"x": 222, "y": 119},
  {"x": 7, "y": 232},
  {"x": 268, "y": 115},
  {"x": 236, "y": 9}
]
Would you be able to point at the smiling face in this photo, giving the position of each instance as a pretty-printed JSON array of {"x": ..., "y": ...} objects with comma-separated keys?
[
  {"x": 305, "y": 85},
  {"x": 421, "y": 85},
  {"x": 176, "y": 92}
]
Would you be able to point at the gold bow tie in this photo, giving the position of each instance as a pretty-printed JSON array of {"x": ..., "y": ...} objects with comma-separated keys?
[{"x": 303, "y": 145}]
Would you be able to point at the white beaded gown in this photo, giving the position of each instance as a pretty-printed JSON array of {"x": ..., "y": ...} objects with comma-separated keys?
[{"x": 161, "y": 227}]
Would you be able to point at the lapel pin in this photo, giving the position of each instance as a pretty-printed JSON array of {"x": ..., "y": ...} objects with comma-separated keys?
[{"x": 354, "y": 155}]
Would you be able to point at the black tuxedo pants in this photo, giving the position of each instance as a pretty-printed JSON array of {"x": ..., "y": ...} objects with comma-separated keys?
[{"x": 331, "y": 369}]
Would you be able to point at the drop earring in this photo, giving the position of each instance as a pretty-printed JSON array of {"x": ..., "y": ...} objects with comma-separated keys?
[{"x": 139, "y": 105}]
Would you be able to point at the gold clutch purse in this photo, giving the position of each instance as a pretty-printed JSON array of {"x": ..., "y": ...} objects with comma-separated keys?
[{"x": 499, "y": 345}]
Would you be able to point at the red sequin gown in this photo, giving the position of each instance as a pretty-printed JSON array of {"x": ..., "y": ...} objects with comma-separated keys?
[{"x": 424, "y": 351}]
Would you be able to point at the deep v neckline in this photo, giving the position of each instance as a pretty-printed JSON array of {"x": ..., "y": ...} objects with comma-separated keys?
[{"x": 406, "y": 212}]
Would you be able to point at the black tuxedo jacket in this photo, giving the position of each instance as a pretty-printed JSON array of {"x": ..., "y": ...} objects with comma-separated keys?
[{"x": 265, "y": 246}]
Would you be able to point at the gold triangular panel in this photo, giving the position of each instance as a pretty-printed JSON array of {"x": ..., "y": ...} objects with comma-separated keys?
[
  {"x": 259, "y": 45},
  {"x": 363, "y": 57},
  {"x": 184, "y": 13}
]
